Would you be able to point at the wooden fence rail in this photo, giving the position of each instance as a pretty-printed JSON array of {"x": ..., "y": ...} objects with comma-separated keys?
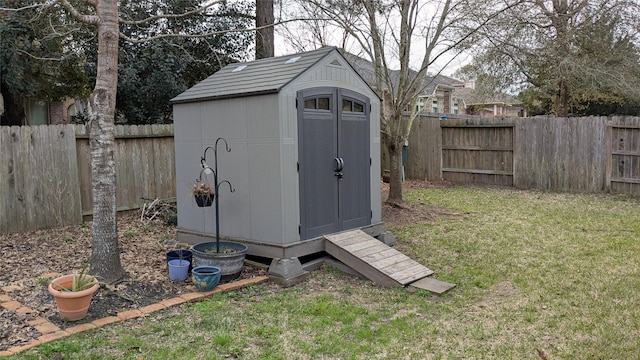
[{"x": 45, "y": 172}]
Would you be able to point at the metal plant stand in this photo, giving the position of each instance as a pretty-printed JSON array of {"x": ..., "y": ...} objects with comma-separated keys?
[
  {"x": 216, "y": 186},
  {"x": 231, "y": 259}
]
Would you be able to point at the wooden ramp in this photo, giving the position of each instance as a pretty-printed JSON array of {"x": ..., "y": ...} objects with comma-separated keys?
[{"x": 375, "y": 260}]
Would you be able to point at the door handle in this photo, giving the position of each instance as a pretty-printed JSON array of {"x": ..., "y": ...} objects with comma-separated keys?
[{"x": 339, "y": 164}]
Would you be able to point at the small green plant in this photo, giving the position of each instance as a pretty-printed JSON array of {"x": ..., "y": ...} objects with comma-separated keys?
[
  {"x": 43, "y": 281},
  {"x": 130, "y": 234},
  {"x": 79, "y": 282},
  {"x": 68, "y": 240}
]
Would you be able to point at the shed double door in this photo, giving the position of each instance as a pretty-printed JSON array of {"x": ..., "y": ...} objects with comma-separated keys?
[{"x": 334, "y": 161}]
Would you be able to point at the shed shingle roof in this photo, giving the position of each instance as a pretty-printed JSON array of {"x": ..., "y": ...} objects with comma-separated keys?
[{"x": 257, "y": 77}]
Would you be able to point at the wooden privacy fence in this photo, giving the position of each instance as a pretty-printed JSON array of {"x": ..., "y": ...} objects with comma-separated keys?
[
  {"x": 593, "y": 154},
  {"x": 144, "y": 160},
  {"x": 45, "y": 174},
  {"x": 39, "y": 184}
]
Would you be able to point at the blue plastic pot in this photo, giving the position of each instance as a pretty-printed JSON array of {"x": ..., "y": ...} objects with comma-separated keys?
[
  {"x": 180, "y": 254},
  {"x": 205, "y": 278},
  {"x": 178, "y": 269}
]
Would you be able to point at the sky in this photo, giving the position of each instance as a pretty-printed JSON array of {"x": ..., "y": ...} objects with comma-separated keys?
[{"x": 292, "y": 37}]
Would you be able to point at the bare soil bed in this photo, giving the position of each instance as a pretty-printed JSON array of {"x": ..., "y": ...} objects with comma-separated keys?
[{"x": 31, "y": 259}]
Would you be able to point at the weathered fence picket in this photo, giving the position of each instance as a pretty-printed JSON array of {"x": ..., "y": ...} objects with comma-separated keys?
[
  {"x": 39, "y": 181},
  {"x": 45, "y": 174},
  {"x": 144, "y": 162},
  {"x": 592, "y": 154}
]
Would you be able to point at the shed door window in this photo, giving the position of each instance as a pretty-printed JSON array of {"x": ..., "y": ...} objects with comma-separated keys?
[
  {"x": 352, "y": 106},
  {"x": 319, "y": 103}
]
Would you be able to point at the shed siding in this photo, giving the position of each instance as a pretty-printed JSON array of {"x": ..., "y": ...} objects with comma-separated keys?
[{"x": 250, "y": 126}]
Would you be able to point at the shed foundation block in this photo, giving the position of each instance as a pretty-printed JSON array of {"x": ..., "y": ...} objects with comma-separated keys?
[
  {"x": 287, "y": 272},
  {"x": 387, "y": 238}
]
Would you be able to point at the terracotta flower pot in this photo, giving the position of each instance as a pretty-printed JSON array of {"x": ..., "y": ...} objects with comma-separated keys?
[{"x": 72, "y": 305}]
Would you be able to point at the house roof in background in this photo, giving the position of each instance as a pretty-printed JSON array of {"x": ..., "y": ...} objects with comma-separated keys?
[
  {"x": 367, "y": 71},
  {"x": 475, "y": 97},
  {"x": 262, "y": 76},
  {"x": 431, "y": 82}
]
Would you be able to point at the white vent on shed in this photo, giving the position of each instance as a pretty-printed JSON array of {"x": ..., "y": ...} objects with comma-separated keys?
[
  {"x": 292, "y": 60},
  {"x": 335, "y": 62},
  {"x": 239, "y": 68}
]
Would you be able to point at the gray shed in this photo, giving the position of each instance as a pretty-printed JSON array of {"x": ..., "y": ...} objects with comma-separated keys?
[{"x": 304, "y": 133}]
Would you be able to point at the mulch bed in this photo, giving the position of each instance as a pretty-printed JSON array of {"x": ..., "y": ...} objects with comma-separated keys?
[{"x": 32, "y": 259}]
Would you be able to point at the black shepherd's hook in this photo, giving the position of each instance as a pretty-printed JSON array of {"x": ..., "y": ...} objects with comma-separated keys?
[{"x": 207, "y": 169}]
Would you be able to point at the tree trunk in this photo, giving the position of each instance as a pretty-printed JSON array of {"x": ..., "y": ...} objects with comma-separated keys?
[
  {"x": 394, "y": 149},
  {"x": 562, "y": 99},
  {"x": 105, "y": 252},
  {"x": 264, "y": 37}
]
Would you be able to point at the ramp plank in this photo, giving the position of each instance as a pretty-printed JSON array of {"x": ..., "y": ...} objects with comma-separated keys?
[
  {"x": 366, "y": 252},
  {"x": 382, "y": 253},
  {"x": 359, "y": 246},
  {"x": 392, "y": 260},
  {"x": 373, "y": 259},
  {"x": 431, "y": 284},
  {"x": 397, "y": 266}
]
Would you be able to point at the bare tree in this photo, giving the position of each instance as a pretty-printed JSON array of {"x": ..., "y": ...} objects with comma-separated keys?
[
  {"x": 410, "y": 35},
  {"x": 565, "y": 51},
  {"x": 104, "y": 16},
  {"x": 264, "y": 32}
]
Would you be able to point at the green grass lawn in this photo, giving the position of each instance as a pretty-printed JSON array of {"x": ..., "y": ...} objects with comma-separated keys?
[{"x": 539, "y": 275}]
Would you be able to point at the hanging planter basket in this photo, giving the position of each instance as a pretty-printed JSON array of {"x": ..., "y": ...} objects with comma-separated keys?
[{"x": 204, "y": 200}]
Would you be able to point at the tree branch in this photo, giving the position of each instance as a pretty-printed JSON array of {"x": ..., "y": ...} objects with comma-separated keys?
[
  {"x": 87, "y": 19},
  {"x": 205, "y": 35}
]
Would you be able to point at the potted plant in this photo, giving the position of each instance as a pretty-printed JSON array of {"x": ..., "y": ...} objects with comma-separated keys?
[
  {"x": 227, "y": 255},
  {"x": 73, "y": 294},
  {"x": 203, "y": 193}
]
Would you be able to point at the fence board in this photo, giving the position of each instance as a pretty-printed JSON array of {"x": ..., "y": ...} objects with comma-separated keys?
[
  {"x": 624, "y": 158},
  {"x": 38, "y": 178},
  {"x": 592, "y": 154},
  {"x": 144, "y": 160},
  {"x": 45, "y": 172},
  {"x": 563, "y": 154},
  {"x": 423, "y": 154},
  {"x": 477, "y": 152}
]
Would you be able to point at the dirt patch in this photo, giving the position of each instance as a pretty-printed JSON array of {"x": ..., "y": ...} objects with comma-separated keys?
[
  {"x": 32, "y": 259},
  {"x": 399, "y": 215}
]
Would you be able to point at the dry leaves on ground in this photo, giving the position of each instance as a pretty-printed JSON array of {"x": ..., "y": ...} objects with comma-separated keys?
[{"x": 31, "y": 259}]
